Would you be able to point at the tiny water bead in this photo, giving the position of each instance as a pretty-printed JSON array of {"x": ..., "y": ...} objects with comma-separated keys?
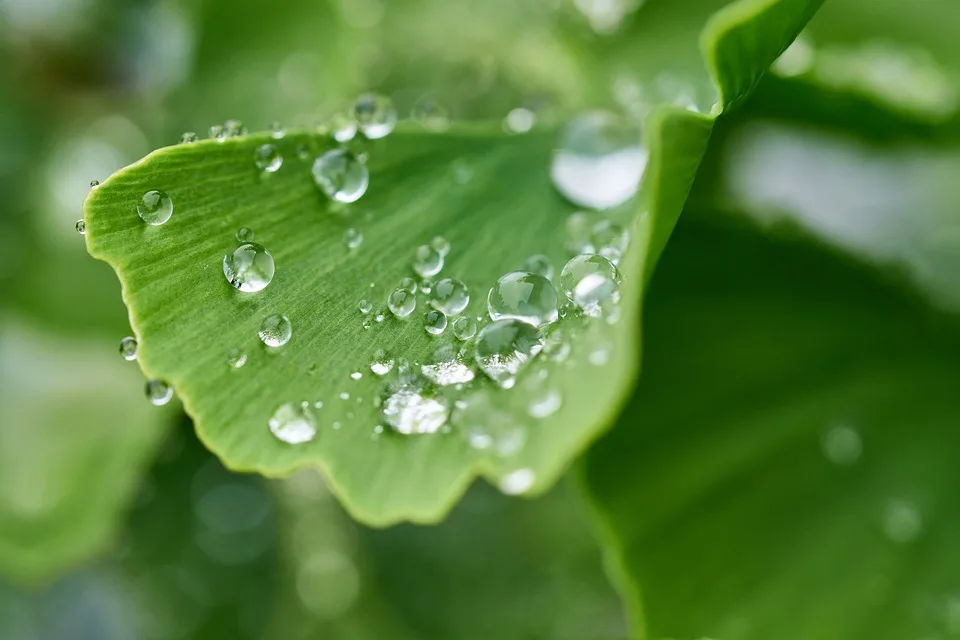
[
  {"x": 275, "y": 330},
  {"x": 464, "y": 328},
  {"x": 216, "y": 133},
  {"x": 520, "y": 120},
  {"x": 267, "y": 158},
  {"x": 446, "y": 368},
  {"x": 94, "y": 184},
  {"x": 382, "y": 364},
  {"x": 430, "y": 114},
  {"x": 365, "y": 306},
  {"x": 244, "y": 235},
  {"x": 293, "y": 423},
  {"x": 276, "y": 130},
  {"x": 524, "y": 296},
  {"x": 434, "y": 322},
  {"x": 375, "y": 115},
  {"x": 441, "y": 244},
  {"x": 81, "y": 227},
  {"x": 341, "y": 176},
  {"x": 427, "y": 261},
  {"x": 517, "y": 482},
  {"x": 128, "y": 348},
  {"x": 600, "y": 160},
  {"x": 411, "y": 409},
  {"x": 249, "y": 268},
  {"x": 545, "y": 404},
  {"x": 342, "y": 127},
  {"x": 353, "y": 238},
  {"x": 233, "y": 128},
  {"x": 158, "y": 392},
  {"x": 236, "y": 358},
  {"x": 591, "y": 282},
  {"x": 450, "y": 296},
  {"x": 188, "y": 137},
  {"x": 155, "y": 207},
  {"x": 610, "y": 240},
  {"x": 356, "y": 375},
  {"x": 408, "y": 284},
  {"x": 402, "y": 303},
  {"x": 540, "y": 265},
  {"x": 504, "y": 347}
]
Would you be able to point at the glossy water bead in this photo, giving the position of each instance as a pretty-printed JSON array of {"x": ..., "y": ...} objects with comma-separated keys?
[
  {"x": 250, "y": 268},
  {"x": 341, "y": 175},
  {"x": 155, "y": 207},
  {"x": 524, "y": 296},
  {"x": 591, "y": 282}
]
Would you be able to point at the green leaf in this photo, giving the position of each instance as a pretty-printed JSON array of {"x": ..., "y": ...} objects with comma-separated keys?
[
  {"x": 786, "y": 468},
  {"x": 188, "y": 318}
]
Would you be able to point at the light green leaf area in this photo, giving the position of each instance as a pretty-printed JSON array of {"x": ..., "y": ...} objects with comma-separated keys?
[
  {"x": 486, "y": 192},
  {"x": 787, "y": 467}
]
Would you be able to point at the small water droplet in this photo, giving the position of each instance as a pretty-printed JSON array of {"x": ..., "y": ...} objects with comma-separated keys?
[
  {"x": 365, "y": 306},
  {"x": 504, "y": 347},
  {"x": 408, "y": 284},
  {"x": 356, "y": 375},
  {"x": 434, "y": 322},
  {"x": 379, "y": 316},
  {"x": 410, "y": 408},
  {"x": 446, "y": 368},
  {"x": 524, "y": 296},
  {"x": 382, "y": 364},
  {"x": 158, "y": 392},
  {"x": 902, "y": 522},
  {"x": 342, "y": 127},
  {"x": 579, "y": 232},
  {"x": 233, "y": 128},
  {"x": 557, "y": 348},
  {"x": 293, "y": 423},
  {"x": 540, "y": 265},
  {"x": 81, "y": 227},
  {"x": 341, "y": 176},
  {"x": 450, "y": 296},
  {"x": 600, "y": 160},
  {"x": 464, "y": 328},
  {"x": 401, "y": 303},
  {"x": 244, "y": 235},
  {"x": 517, "y": 482},
  {"x": 591, "y": 282},
  {"x": 545, "y": 404},
  {"x": 267, "y": 158},
  {"x": 128, "y": 348},
  {"x": 188, "y": 137},
  {"x": 344, "y": 395},
  {"x": 520, "y": 120},
  {"x": 236, "y": 358},
  {"x": 430, "y": 114},
  {"x": 375, "y": 115},
  {"x": 155, "y": 207},
  {"x": 318, "y": 404},
  {"x": 352, "y": 238},
  {"x": 276, "y": 130},
  {"x": 94, "y": 184},
  {"x": 610, "y": 240},
  {"x": 216, "y": 133},
  {"x": 600, "y": 355},
  {"x": 275, "y": 330},
  {"x": 842, "y": 445},
  {"x": 427, "y": 261},
  {"x": 441, "y": 244},
  {"x": 249, "y": 268},
  {"x": 488, "y": 426}
]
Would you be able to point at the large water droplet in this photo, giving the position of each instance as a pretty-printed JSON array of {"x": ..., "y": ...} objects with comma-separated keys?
[
  {"x": 158, "y": 392},
  {"x": 375, "y": 114},
  {"x": 128, "y": 348},
  {"x": 341, "y": 176},
  {"x": 155, "y": 207},
  {"x": 600, "y": 160},
  {"x": 610, "y": 240},
  {"x": 275, "y": 331},
  {"x": 504, "y": 347},
  {"x": 464, "y": 328},
  {"x": 525, "y": 296},
  {"x": 410, "y": 408},
  {"x": 446, "y": 368},
  {"x": 450, "y": 296},
  {"x": 402, "y": 303},
  {"x": 267, "y": 158},
  {"x": 249, "y": 268},
  {"x": 293, "y": 423},
  {"x": 434, "y": 322},
  {"x": 591, "y": 282},
  {"x": 427, "y": 261}
]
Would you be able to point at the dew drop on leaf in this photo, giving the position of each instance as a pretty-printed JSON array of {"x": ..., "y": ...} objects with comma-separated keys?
[
  {"x": 245, "y": 234},
  {"x": 352, "y": 238},
  {"x": 341, "y": 176},
  {"x": 427, "y": 261},
  {"x": 365, "y": 306},
  {"x": 236, "y": 358},
  {"x": 540, "y": 265},
  {"x": 155, "y": 207},
  {"x": 504, "y": 347},
  {"x": 267, "y": 158},
  {"x": 446, "y": 368},
  {"x": 94, "y": 184},
  {"x": 434, "y": 322},
  {"x": 464, "y": 328},
  {"x": 545, "y": 404},
  {"x": 441, "y": 244},
  {"x": 293, "y": 423},
  {"x": 610, "y": 240},
  {"x": 410, "y": 409},
  {"x": 342, "y": 127},
  {"x": 524, "y": 296},
  {"x": 517, "y": 482},
  {"x": 430, "y": 114},
  {"x": 128, "y": 348},
  {"x": 450, "y": 296},
  {"x": 382, "y": 364},
  {"x": 158, "y": 392},
  {"x": 375, "y": 115},
  {"x": 520, "y": 120},
  {"x": 408, "y": 284},
  {"x": 402, "y": 303},
  {"x": 276, "y": 130},
  {"x": 249, "y": 268},
  {"x": 275, "y": 330},
  {"x": 81, "y": 227},
  {"x": 591, "y": 282},
  {"x": 188, "y": 137}
]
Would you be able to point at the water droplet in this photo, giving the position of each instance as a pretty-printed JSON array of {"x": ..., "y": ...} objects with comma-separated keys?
[
  {"x": 504, "y": 347},
  {"x": 352, "y": 238},
  {"x": 188, "y": 137},
  {"x": 236, "y": 358},
  {"x": 408, "y": 284},
  {"x": 94, "y": 184},
  {"x": 249, "y": 268},
  {"x": 275, "y": 330},
  {"x": 842, "y": 445},
  {"x": 600, "y": 355},
  {"x": 427, "y": 261},
  {"x": 525, "y": 296},
  {"x": 155, "y": 207},
  {"x": 545, "y": 404},
  {"x": 341, "y": 176},
  {"x": 450, "y": 296},
  {"x": 276, "y": 130},
  {"x": 557, "y": 348},
  {"x": 461, "y": 170},
  {"x": 487, "y": 426},
  {"x": 610, "y": 240},
  {"x": 402, "y": 303},
  {"x": 540, "y": 265},
  {"x": 434, "y": 322},
  {"x": 902, "y": 522},
  {"x": 267, "y": 158},
  {"x": 293, "y": 423},
  {"x": 520, "y": 120},
  {"x": 379, "y": 316},
  {"x": 579, "y": 232},
  {"x": 244, "y": 235},
  {"x": 441, "y": 244},
  {"x": 517, "y": 482},
  {"x": 233, "y": 128},
  {"x": 382, "y": 364},
  {"x": 446, "y": 368},
  {"x": 342, "y": 127},
  {"x": 375, "y": 115},
  {"x": 591, "y": 282},
  {"x": 158, "y": 392},
  {"x": 81, "y": 227},
  {"x": 464, "y": 328},
  {"x": 365, "y": 306},
  {"x": 599, "y": 162},
  {"x": 216, "y": 132},
  {"x": 430, "y": 114},
  {"x": 356, "y": 375},
  {"x": 410, "y": 408},
  {"x": 128, "y": 348}
]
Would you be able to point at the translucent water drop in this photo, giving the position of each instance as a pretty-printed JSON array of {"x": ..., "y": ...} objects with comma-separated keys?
[
  {"x": 342, "y": 127},
  {"x": 128, "y": 348},
  {"x": 402, "y": 303},
  {"x": 579, "y": 233},
  {"x": 382, "y": 364},
  {"x": 487, "y": 426},
  {"x": 902, "y": 522},
  {"x": 341, "y": 176},
  {"x": 504, "y": 347},
  {"x": 409, "y": 284},
  {"x": 842, "y": 445},
  {"x": 352, "y": 238},
  {"x": 356, "y": 375},
  {"x": 610, "y": 240},
  {"x": 236, "y": 358},
  {"x": 545, "y": 404},
  {"x": 450, "y": 296},
  {"x": 591, "y": 282},
  {"x": 267, "y": 158},
  {"x": 600, "y": 161},
  {"x": 216, "y": 133},
  {"x": 188, "y": 137},
  {"x": 293, "y": 423},
  {"x": 434, "y": 322},
  {"x": 430, "y": 114},
  {"x": 464, "y": 328},
  {"x": 427, "y": 261},
  {"x": 94, "y": 184},
  {"x": 344, "y": 395},
  {"x": 411, "y": 409},
  {"x": 233, "y": 128},
  {"x": 441, "y": 244},
  {"x": 524, "y": 296},
  {"x": 276, "y": 130},
  {"x": 155, "y": 207},
  {"x": 158, "y": 392},
  {"x": 520, "y": 120},
  {"x": 81, "y": 227},
  {"x": 517, "y": 482},
  {"x": 446, "y": 368},
  {"x": 365, "y": 306},
  {"x": 249, "y": 268},
  {"x": 244, "y": 235},
  {"x": 599, "y": 355},
  {"x": 540, "y": 265},
  {"x": 375, "y": 115},
  {"x": 275, "y": 330}
]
